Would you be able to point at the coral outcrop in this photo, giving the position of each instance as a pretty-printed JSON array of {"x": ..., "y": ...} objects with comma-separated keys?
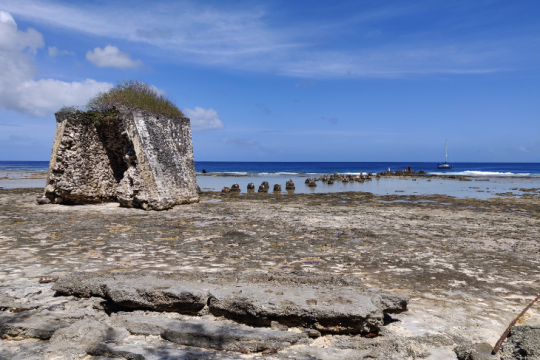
[{"x": 138, "y": 158}]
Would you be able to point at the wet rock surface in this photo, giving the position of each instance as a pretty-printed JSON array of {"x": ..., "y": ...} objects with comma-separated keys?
[{"x": 468, "y": 266}]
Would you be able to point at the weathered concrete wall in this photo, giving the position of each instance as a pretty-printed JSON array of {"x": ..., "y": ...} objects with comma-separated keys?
[{"x": 140, "y": 159}]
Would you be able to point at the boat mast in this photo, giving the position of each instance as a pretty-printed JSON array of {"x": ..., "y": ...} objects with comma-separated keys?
[{"x": 446, "y": 157}]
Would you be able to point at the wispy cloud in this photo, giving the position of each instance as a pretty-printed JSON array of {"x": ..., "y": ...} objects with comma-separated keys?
[
  {"x": 155, "y": 33},
  {"x": 53, "y": 52},
  {"x": 15, "y": 137},
  {"x": 318, "y": 132},
  {"x": 243, "y": 143},
  {"x": 249, "y": 38}
]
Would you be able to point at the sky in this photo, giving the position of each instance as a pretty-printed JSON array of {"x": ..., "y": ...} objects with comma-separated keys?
[{"x": 287, "y": 80}]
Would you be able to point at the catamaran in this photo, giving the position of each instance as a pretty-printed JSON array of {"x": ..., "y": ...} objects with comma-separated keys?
[{"x": 445, "y": 165}]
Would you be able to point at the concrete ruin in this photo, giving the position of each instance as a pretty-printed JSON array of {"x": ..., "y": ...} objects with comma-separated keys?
[{"x": 139, "y": 158}]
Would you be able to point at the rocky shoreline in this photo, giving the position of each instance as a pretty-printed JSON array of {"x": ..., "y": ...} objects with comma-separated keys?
[{"x": 466, "y": 266}]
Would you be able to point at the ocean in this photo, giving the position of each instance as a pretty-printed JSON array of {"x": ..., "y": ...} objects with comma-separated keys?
[{"x": 314, "y": 168}]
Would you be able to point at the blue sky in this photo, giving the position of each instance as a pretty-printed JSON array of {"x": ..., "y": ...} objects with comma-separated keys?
[{"x": 287, "y": 81}]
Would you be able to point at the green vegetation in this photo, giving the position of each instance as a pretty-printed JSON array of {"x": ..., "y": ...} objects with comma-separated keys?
[
  {"x": 133, "y": 94},
  {"x": 68, "y": 109}
]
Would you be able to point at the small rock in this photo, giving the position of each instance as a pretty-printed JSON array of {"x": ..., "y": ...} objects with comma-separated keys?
[
  {"x": 274, "y": 325},
  {"x": 479, "y": 351},
  {"x": 82, "y": 336},
  {"x": 42, "y": 200},
  {"x": 289, "y": 185},
  {"x": 312, "y": 333}
]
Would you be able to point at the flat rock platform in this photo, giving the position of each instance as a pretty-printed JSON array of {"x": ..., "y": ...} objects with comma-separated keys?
[{"x": 322, "y": 276}]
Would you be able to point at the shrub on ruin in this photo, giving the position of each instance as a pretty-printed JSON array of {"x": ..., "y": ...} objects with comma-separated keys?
[{"x": 130, "y": 93}]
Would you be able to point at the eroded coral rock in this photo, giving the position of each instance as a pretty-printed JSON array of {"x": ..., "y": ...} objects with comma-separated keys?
[
  {"x": 140, "y": 159},
  {"x": 289, "y": 185},
  {"x": 523, "y": 343},
  {"x": 325, "y": 303}
]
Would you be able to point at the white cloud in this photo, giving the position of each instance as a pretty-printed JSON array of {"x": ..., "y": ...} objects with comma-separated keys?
[
  {"x": 12, "y": 39},
  {"x": 253, "y": 38},
  {"x": 19, "y": 91},
  {"x": 112, "y": 57},
  {"x": 6, "y": 18},
  {"x": 203, "y": 119},
  {"x": 53, "y": 51}
]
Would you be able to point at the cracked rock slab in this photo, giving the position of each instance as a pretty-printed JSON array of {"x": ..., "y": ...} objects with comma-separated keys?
[
  {"x": 346, "y": 310},
  {"x": 11, "y": 304},
  {"x": 29, "y": 349},
  {"x": 203, "y": 333},
  {"x": 156, "y": 349},
  {"x": 34, "y": 324},
  {"x": 325, "y": 303},
  {"x": 82, "y": 336},
  {"x": 146, "y": 292},
  {"x": 224, "y": 335}
]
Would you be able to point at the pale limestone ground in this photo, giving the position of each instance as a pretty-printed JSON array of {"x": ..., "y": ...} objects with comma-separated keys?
[{"x": 469, "y": 267}]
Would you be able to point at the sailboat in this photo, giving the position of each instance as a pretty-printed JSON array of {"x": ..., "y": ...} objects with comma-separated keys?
[{"x": 445, "y": 165}]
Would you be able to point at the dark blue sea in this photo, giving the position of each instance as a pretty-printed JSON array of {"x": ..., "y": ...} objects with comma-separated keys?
[
  {"x": 308, "y": 168},
  {"x": 299, "y": 168}
]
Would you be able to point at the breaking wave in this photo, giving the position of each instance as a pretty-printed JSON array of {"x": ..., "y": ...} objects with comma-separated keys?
[{"x": 480, "y": 173}]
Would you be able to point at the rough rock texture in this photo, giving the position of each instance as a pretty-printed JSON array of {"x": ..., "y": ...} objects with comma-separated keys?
[
  {"x": 481, "y": 351},
  {"x": 9, "y": 303},
  {"x": 224, "y": 335},
  {"x": 139, "y": 159},
  {"x": 81, "y": 336},
  {"x": 523, "y": 343},
  {"x": 347, "y": 310},
  {"x": 35, "y": 324},
  {"x": 462, "y": 261},
  {"x": 23, "y": 350},
  {"x": 144, "y": 292},
  {"x": 292, "y": 300},
  {"x": 155, "y": 349}
]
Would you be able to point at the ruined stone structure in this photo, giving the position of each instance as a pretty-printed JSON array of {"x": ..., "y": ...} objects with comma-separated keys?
[{"x": 139, "y": 158}]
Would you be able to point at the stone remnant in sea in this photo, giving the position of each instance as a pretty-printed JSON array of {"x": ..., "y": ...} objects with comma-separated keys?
[{"x": 139, "y": 158}]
